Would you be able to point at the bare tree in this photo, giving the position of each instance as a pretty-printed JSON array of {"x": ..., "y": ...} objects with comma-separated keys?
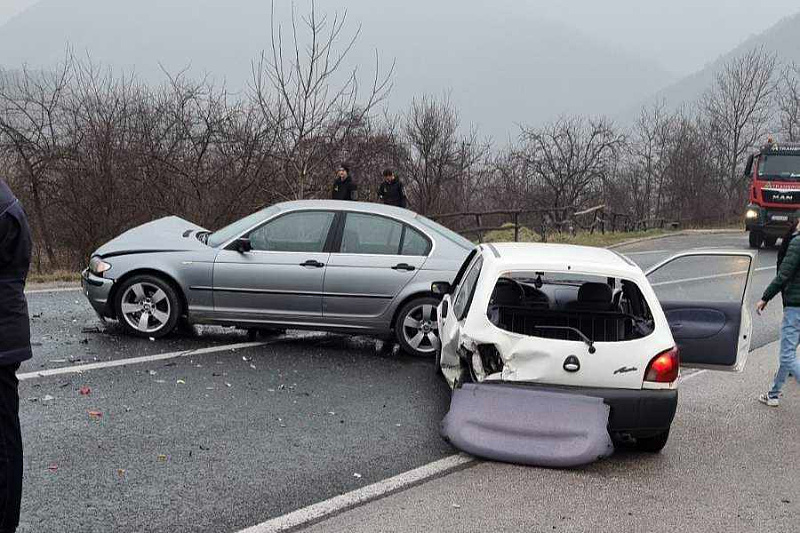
[
  {"x": 303, "y": 90},
  {"x": 570, "y": 159},
  {"x": 441, "y": 164},
  {"x": 30, "y": 133},
  {"x": 789, "y": 102},
  {"x": 736, "y": 113}
]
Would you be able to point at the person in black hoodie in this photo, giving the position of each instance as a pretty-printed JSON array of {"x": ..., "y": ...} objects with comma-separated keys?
[
  {"x": 15, "y": 347},
  {"x": 344, "y": 188},
  {"x": 391, "y": 190}
]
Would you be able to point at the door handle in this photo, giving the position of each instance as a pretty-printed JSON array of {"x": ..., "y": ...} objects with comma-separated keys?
[
  {"x": 312, "y": 263},
  {"x": 404, "y": 266}
]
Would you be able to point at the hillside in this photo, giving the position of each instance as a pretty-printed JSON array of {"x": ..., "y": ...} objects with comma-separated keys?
[{"x": 502, "y": 62}]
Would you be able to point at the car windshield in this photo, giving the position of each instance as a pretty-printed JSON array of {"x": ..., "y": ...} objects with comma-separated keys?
[
  {"x": 780, "y": 167},
  {"x": 446, "y": 233},
  {"x": 230, "y": 231}
]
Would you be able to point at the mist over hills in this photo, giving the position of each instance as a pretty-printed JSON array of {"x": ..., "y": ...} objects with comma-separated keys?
[
  {"x": 500, "y": 61},
  {"x": 783, "y": 39}
]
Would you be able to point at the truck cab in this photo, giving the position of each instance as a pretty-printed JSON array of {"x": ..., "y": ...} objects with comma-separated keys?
[{"x": 774, "y": 192}]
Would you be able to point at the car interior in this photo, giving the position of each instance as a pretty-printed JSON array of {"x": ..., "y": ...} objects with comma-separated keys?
[{"x": 571, "y": 307}]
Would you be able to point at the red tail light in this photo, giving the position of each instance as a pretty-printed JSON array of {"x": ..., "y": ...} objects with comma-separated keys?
[{"x": 664, "y": 367}]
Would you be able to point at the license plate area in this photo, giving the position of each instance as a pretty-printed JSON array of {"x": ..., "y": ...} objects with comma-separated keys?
[{"x": 780, "y": 218}]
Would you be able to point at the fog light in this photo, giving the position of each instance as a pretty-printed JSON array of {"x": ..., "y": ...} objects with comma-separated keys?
[{"x": 751, "y": 214}]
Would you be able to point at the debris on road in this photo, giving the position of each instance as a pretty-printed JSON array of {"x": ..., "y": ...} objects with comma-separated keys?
[
  {"x": 357, "y": 475},
  {"x": 95, "y": 415},
  {"x": 228, "y": 384},
  {"x": 456, "y": 506},
  {"x": 152, "y": 372},
  {"x": 47, "y": 398},
  {"x": 180, "y": 382},
  {"x": 53, "y": 467},
  {"x": 85, "y": 391},
  {"x": 161, "y": 458},
  {"x": 120, "y": 472}
]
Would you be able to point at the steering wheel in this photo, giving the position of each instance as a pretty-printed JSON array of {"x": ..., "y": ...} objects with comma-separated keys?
[{"x": 518, "y": 288}]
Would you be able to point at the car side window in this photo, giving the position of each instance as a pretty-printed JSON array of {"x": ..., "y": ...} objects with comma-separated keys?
[
  {"x": 304, "y": 231},
  {"x": 370, "y": 234},
  {"x": 466, "y": 291},
  {"x": 415, "y": 243}
]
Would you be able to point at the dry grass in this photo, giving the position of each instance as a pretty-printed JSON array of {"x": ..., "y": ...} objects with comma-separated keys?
[
  {"x": 582, "y": 238},
  {"x": 57, "y": 276}
]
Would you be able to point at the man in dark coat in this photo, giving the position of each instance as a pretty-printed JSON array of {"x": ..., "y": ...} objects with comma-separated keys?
[
  {"x": 344, "y": 188},
  {"x": 15, "y": 347},
  {"x": 391, "y": 190}
]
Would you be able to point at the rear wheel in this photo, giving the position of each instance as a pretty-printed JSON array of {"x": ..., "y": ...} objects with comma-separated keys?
[
  {"x": 653, "y": 444},
  {"x": 769, "y": 242},
  {"x": 755, "y": 239},
  {"x": 147, "y": 306},
  {"x": 417, "y": 329}
]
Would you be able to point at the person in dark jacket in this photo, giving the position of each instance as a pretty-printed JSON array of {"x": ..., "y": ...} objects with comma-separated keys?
[
  {"x": 391, "y": 190},
  {"x": 15, "y": 347},
  {"x": 344, "y": 187},
  {"x": 787, "y": 282}
]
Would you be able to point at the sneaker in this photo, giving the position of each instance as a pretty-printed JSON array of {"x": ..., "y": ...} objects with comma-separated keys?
[{"x": 766, "y": 399}]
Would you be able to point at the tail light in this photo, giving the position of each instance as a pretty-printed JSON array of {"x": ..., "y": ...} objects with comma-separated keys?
[{"x": 664, "y": 367}]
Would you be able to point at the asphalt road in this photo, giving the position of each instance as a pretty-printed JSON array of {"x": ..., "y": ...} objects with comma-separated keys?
[{"x": 220, "y": 441}]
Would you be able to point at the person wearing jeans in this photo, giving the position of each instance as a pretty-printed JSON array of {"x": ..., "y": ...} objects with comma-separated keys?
[
  {"x": 15, "y": 347},
  {"x": 787, "y": 282}
]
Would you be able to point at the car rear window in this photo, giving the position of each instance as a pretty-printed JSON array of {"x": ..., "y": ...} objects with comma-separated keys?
[{"x": 567, "y": 306}]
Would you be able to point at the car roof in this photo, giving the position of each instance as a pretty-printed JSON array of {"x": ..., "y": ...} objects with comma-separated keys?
[
  {"x": 339, "y": 205},
  {"x": 565, "y": 257}
]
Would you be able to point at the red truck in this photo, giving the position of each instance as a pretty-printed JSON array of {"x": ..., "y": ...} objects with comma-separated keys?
[{"x": 774, "y": 192}]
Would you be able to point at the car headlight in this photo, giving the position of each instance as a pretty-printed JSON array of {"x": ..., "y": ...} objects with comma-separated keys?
[
  {"x": 751, "y": 214},
  {"x": 97, "y": 266}
]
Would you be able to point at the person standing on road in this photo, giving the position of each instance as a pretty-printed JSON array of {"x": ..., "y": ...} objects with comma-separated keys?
[
  {"x": 391, "y": 190},
  {"x": 344, "y": 187},
  {"x": 15, "y": 347},
  {"x": 787, "y": 282}
]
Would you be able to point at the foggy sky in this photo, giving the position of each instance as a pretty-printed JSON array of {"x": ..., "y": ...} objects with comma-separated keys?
[{"x": 681, "y": 35}]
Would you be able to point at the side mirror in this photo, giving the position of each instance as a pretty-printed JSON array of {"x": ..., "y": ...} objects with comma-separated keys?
[
  {"x": 242, "y": 245},
  {"x": 440, "y": 288}
]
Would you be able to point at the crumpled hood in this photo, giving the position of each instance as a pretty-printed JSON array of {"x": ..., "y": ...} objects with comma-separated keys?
[{"x": 162, "y": 235}]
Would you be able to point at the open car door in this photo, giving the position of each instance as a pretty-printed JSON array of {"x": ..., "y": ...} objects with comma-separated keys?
[{"x": 704, "y": 295}]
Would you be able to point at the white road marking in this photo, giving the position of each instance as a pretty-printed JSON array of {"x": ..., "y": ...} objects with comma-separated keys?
[
  {"x": 59, "y": 289},
  {"x": 77, "y": 369},
  {"x": 692, "y": 375},
  {"x": 323, "y": 510}
]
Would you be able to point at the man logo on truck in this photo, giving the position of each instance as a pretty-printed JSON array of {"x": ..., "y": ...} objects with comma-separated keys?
[{"x": 774, "y": 192}]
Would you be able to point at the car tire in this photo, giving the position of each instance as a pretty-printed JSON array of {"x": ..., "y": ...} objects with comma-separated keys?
[
  {"x": 769, "y": 242},
  {"x": 755, "y": 239},
  {"x": 652, "y": 444},
  {"x": 150, "y": 295},
  {"x": 416, "y": 328}
]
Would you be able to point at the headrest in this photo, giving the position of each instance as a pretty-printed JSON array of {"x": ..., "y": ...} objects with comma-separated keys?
[{"x": 595, "y": 293}]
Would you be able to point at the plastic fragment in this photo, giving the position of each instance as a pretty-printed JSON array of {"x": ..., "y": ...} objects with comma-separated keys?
[
  {"x": 161, "y": 458},
  {"x": 95, "y": 415},
  {"x": 53, "y": 467},
  {"x": 253, "y": 366},
  {"x": 85, "y": 391},
  {"x": 120, "y": 472},
  {"x": 357, "y": 475},
  {"x": 228, "y": 384},
  {"x": 152, "y": 372},
  {"x": 47, "y": 398},
  {"x": 180, "y": 382}
]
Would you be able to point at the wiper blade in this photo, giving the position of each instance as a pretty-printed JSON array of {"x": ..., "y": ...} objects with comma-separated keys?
[{"x": 589, "y": 342}]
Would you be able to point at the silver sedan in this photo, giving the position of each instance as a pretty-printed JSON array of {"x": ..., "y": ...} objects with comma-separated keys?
[{"x": 326, "y": 265}]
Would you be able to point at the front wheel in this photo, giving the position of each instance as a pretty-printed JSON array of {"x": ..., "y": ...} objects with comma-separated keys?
[
  {"x": 147, "y": 306},
  {"x": 653, "y": 444},
  {"x": 769, "y": 242},
  {"x": 755, "y": 239},
  {"x": 417, "y": 329}
]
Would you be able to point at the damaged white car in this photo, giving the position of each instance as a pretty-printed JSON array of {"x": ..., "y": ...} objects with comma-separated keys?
[{"x": 558, "y": 352}]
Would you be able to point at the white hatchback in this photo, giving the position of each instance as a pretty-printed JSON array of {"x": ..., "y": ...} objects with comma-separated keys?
[{"x": 585, "y": 322}]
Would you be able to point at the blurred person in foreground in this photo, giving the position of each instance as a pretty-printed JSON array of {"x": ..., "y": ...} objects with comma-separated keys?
[
  {"x": 787, "y": 282},
  {"x": 15, "y": 347}
]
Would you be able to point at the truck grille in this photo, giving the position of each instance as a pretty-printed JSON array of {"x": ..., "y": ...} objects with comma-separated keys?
[{"x": 778, "y": 196}]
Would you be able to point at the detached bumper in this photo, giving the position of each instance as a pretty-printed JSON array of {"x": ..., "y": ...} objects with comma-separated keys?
[
  {"x": 97, "y": 291},
  {"x": 528, "y": 426}
]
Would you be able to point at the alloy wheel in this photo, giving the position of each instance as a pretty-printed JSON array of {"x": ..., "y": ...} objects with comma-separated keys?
[
  {"x": 421, "y": 330},
  {"x": 145, "y": 307}
]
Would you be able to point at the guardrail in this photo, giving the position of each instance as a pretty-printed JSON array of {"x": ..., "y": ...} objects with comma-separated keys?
[{"x": 550, "y": 220}]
